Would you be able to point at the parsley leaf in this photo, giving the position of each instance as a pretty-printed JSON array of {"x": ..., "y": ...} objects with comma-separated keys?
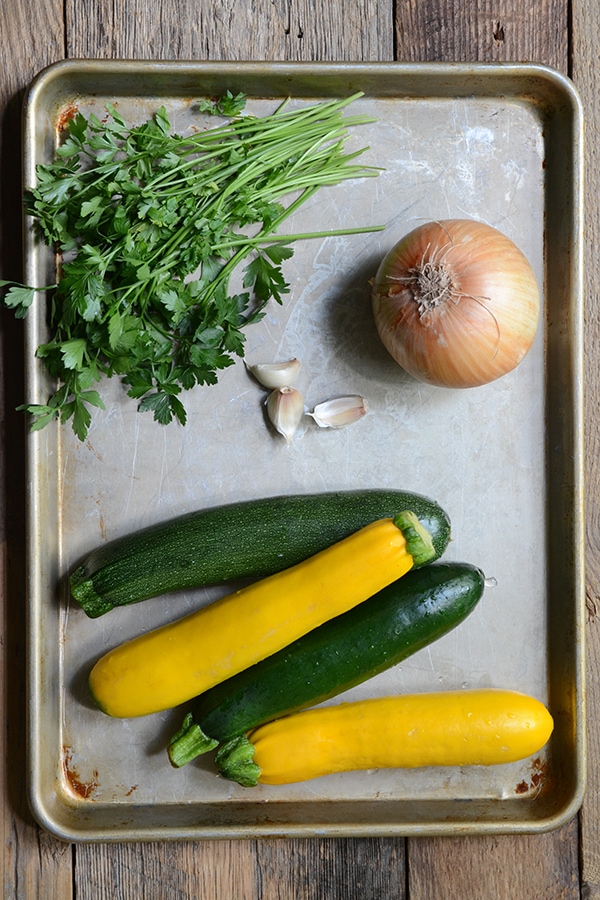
[
  {"x": 227, "y": 105},
  {"x": 266, "y": 279},
  {"x": 19, "y": 298}
]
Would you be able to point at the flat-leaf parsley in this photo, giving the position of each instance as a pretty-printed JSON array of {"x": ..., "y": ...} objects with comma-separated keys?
[{"x": 150, "y": 226}]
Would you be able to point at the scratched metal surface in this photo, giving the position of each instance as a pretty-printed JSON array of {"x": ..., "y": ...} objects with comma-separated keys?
[{"x": 450, "y": 147}]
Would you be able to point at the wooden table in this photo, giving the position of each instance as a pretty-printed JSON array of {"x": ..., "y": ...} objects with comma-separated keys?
[{"x": 34, "y": 33}]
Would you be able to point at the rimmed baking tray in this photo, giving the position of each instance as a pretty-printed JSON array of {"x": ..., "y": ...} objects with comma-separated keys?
[{"x": 501, "y": 143}]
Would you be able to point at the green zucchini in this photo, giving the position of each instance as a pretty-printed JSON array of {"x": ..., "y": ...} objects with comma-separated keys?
[
  {"x": 377, "y": 634},
  {"x": 240, "y": 540}
]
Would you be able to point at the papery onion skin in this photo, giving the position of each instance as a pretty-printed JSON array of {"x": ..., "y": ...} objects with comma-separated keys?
[{"x": 485, "y": 322}]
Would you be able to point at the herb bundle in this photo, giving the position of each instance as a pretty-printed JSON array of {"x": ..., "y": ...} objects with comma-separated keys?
[{"x": 150, "y": 227}]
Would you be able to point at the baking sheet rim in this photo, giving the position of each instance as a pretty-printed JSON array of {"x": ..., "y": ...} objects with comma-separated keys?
[{"x": 455, "y": 71}]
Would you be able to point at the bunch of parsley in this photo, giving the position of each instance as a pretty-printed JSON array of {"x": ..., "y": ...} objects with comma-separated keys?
[{"x": 149, "y": 227}]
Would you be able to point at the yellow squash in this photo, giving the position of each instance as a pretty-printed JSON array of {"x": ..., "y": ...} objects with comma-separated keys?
[
  {"x": 172, "y": 664},
  {"x": 447, "y": 728}
]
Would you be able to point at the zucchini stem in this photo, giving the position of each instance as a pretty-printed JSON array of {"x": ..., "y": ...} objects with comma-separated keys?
[{"x": 189, "y": 742}]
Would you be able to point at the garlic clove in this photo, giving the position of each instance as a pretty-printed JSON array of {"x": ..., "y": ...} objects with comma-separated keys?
[
  {"x": 276, "y": 375},
  {"x": 339, "y": 411},
  {"x": 285, "y": 408}
]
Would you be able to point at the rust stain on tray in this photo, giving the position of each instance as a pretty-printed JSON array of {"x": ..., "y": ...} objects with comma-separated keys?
[
  {"x": 68, "y": 113},
  {"x": 537, "y": 779},
  {"x": 83, "y": 789}
]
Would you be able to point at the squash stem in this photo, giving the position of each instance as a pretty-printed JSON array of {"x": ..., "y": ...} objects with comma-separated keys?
[
  {"x": 418, "y": 540},
  {"x": 235, "y": 760},
  {"x": 189, "y": 742}
]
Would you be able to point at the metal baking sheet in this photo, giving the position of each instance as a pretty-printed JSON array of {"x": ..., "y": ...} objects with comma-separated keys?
[{"x": 501, "y": 143}]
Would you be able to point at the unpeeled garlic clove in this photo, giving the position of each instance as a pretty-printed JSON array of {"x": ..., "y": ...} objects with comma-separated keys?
[
  {"x": 276, "y": 375},
  {"x": 339, "y": 411},
  {"x": 285, "y": 407}
]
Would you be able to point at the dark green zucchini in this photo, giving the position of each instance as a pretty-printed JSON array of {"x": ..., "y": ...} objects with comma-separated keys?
[
  {"x": 240, "y": 540},
  {"x": 393, "y": 624}
]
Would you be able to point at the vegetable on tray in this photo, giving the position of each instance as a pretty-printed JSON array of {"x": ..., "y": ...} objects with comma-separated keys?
[
  {"x": 447, "y": 728},
  {"x": 456, "y": 303},
  {"x": 150, "y": 227},
  {"x": 172, "y": 664},
  {"x": 285, "y": 409},
  {"x": 398, "y": 621},
  {"x": 250, "y": 539}
]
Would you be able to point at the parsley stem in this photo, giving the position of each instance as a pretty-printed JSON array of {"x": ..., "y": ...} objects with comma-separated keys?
[{"x": 300, "y": 236}]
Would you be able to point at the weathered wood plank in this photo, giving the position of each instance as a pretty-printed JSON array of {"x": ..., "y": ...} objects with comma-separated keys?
[
  {"x": 33, "y": 863},
  {"x": 245, "y": 870},
  {"x": 536, "y": 867},
  {"x": 586, "y": 23},
  {"x": 368, "y": 869},
  {"x": 485, "y": 31},
  {"x": 178, "y": 871},
  {"x": 231, "y": 29}
]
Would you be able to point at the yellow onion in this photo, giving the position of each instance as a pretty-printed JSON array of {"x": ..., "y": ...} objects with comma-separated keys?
[{"x": 456, "y": 303}]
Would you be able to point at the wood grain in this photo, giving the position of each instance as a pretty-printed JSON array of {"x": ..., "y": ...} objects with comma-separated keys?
[
  {"x": 231, "y": 29},
  {"x": 542, "y": 867},
  {"x": 586, "y": 23},
  {"x": 329, "y": 869},
  {"x": 247, "y": 870},
  {"x": 160, "y": 871},
  {"x": 486, "y": 31}
]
